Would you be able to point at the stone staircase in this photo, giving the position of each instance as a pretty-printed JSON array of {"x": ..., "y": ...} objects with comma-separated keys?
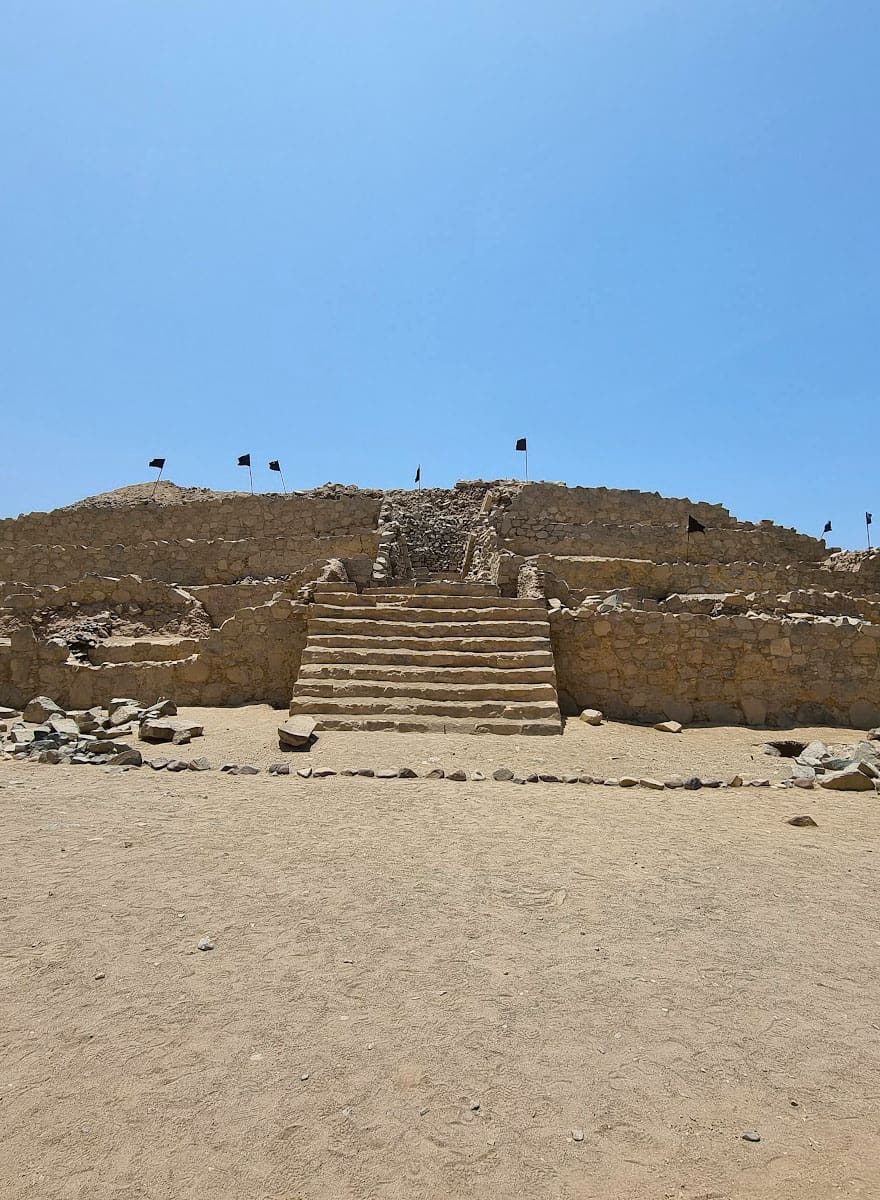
[{"x": 435, "y": 656}]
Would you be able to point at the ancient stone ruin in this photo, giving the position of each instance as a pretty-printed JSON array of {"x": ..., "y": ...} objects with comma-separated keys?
[{"x": 487, "y": 607}]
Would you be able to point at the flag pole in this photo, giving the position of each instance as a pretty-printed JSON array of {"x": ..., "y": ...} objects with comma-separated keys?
[
  {"x": 251, "y": 473},
  {"x": 868, "y": 528},
  {"x": 156, "y": 484},
  {"x": 527, "y": 462},
  {"x": 283, "y": 484}
]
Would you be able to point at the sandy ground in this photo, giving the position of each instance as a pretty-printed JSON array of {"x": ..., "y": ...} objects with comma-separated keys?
[{"x": 661, "y": 970}]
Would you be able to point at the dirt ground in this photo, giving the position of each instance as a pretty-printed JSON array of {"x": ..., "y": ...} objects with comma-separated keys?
[{"x": 423, "y": 988}]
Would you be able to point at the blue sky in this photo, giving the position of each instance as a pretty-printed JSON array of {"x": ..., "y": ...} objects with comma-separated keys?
[{"x": 363, "y": 235}]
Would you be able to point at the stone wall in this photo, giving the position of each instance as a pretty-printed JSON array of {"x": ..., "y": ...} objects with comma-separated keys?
[
  {"x": 552, "y": 519},
  {"x": 228, "y": 517},
  {"x": 656, "y": 580},
  {"x": 252, "y": 657},
  {"x": 731, "y": 669},
  {"x": 187, "y": 562}
]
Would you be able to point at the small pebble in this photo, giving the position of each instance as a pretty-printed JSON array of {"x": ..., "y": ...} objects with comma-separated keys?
[
  {"x": 101, "y": 975},
  {"x": 206, "y": 944},
  {"x": 304, "y": 1077},
  {"x": 751, "y": 1136},
  {"x": 577, "y": 1135},
  {"x": 475, "y": 1106}
]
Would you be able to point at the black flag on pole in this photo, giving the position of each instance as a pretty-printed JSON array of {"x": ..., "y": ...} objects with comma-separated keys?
[
  {"x": 827, "y": 528},
  {"x": 157, "y": 462},
  {"x": 869, "y": 518},
  {"x": 274, "y": 465},
  {"x": 694, "y": 525},
  {"x": 244, "y": 460},
  {"x": 418, "y": 478},
  {"x": 521, "y": 444}
]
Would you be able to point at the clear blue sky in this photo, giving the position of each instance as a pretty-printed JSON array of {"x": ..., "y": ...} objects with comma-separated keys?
[{"x": 360, "y": 235}]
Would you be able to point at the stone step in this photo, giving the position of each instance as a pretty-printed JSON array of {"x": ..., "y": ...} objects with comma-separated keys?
[
  {"x": 494, "y": 687},
  {"x": 418, "y": 616},
  {"x": 325, "y": 627},
  {"x": 372, "y": 707},
  {"x": 398, "y": 642},
  {"x": 435, "y": 588},
  {"x": 418, "y": 600},
  {"x": 407, "y": 723},
  {"x": 421, "y": 674},
  {"x": 353, "y": 653}
]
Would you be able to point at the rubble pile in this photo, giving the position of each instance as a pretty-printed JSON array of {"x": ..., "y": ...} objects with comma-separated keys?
[
  {"x": 839, "y": 768},
  {"x": 47, "y": 733}
]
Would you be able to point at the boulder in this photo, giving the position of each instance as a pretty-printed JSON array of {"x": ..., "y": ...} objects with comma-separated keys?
[
  {"x": 802, "y": 822},
  {"x": 502, "y": 774},
  {"x": 123, "y": 702},
  {"x": 40, "y": 709},
  {"x": 850, "y": 779},
  {"x": 297, "y": 731},
  {"x": 128, "y": 758},
  {"x": 592, "y": 716},
  {"x": 7, "y": 713},
  {"x": 124, "y": 714},
  {"x": 63, "y": 725},
  {"x": 163, "y": 729},
  {"x": 668, "y": 727}
]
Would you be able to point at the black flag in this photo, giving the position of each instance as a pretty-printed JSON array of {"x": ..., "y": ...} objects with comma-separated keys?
[
  {"x": 274, "y": 465},
  {"x": 244, "y": 460},
  {"x": 869, "y": 518},
  {"x": 521, "y": 444},
  {"x": 157, "y": 462},
  {"x": 694, "y": 525},
  {"x": 827, "y": 528},
  {"x": 418, "y": 477}
]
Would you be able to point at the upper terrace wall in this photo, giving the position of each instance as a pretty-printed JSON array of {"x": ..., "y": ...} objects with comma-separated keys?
[
  {"x": 189, "y": 563},
  {"x": 656, "y": 581},
  {"x": 552, "y": 519},
  {"x": 230, "y": 517}
]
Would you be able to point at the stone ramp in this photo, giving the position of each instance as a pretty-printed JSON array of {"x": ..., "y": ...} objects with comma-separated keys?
[{"x": 437, "y": 656}]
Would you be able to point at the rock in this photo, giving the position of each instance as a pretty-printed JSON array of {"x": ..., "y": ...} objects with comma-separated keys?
[
  {"x": 873, "y": 734},
  {"x": 654, "y": 784},
  {"x": 802, "y": 822},
  {"x": 627, "y": 781},
  {"x": 163, "y": 708},
  {"x": 183, "y": 737},
  {"x": 668, "y": 727},
  {"x": 129, "y": 758},
  {"x": 711, "y": 783},
  {"x": 674, "y": 781},
  {"x": 814, "y": 755},
  {"x": 322, "y": 772},
  {"x": 164, "y": 729},
  {"x": 40, "y": 709},
  {"x": 304, "y": 772},
  {"x": 206, "y": 944},
  {"x": 751, "y": 1136},
  {"x": 280, "y": 769},
  {"x": 63, "y": 725},
  {"x": 572, "y": 779},
  {"x": 758, "y": 783},
  {"x": 386, "y": 773},
  {"x": 53, "y": 757},
  {"x": 365, "y": 772},
  {"x": 124, "y": 714},
  {"x": 549, "y": 779},
  {"x": 532, "y": 778},
  {"x": 297, "y": 731},
  {"x": 199, "y": 764},
  {"x": 123, "y": 702},
  {"x": 502, "y": 773},
  {"x": 693, "y": 784},
  {"x": 436, "y": 773},
  {"x": 7, "y": 713},
  {"x": 735, "y": 781},
  {"x": 406, "y": 773},
  {"x": 612, "y": 782},
  {"x": 588, "y": 779},
  {"x": 91, "y": 719},
  {"x": 592, "y": 716},
  {"x": 247, "y": 769},
  {"x": 850, "y": 779},
  {"x": 477, "y": 776},
  {"x": 457, "y": 776},
  {"x": 158, "y": 764},
  {"x": 228, "y": 768},
  {"x": 577, "y": 1135},
  {"x": 803, "y": 782},
  {"x": 177, "y": 764}
]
